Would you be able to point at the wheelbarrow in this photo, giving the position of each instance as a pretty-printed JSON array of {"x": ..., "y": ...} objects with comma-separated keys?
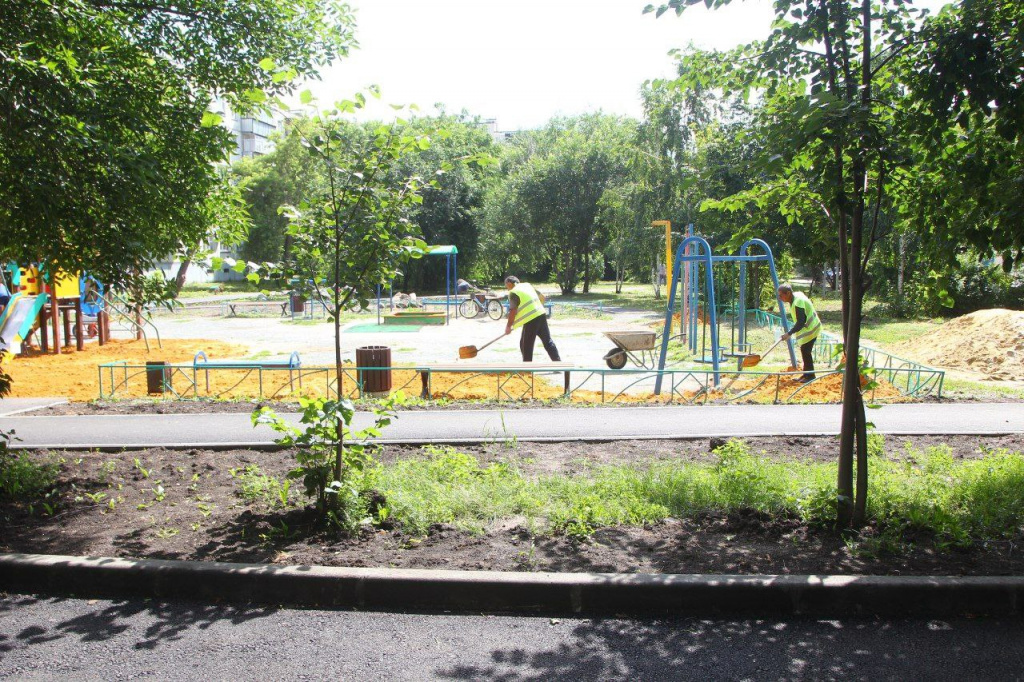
[{"x": 637, "y": 347}]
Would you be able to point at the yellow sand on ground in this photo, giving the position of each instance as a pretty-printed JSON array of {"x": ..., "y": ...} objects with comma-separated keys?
[
  {"x": 987, "y": 341},
  {"x": 827, "y": 389},
  {"x": 74, "y": 374}
]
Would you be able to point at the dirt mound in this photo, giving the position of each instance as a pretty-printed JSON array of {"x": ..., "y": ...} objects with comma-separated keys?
[{"x": 987, "y": 341}]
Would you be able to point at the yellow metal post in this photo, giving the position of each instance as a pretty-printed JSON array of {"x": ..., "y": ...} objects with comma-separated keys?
[{"x": 668, "y": 249}]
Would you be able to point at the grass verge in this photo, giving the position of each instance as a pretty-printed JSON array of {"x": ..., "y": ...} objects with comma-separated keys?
[{"x": 921, "y": 492}]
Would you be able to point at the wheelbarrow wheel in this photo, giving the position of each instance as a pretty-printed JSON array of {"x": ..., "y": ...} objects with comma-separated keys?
[{"x": 616, "y": 358}]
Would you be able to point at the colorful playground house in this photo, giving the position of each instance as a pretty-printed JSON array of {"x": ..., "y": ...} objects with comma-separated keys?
[{"x": 27, "y": 294}]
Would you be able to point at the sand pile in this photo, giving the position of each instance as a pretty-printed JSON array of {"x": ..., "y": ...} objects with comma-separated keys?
[{"x": 987, "y": 341}]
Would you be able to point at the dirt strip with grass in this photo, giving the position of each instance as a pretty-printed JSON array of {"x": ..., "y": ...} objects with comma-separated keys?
[{"x": 648, "y": 506}]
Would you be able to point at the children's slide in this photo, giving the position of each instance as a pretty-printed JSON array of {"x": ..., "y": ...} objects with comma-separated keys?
[{"x": 17, "y": 319}]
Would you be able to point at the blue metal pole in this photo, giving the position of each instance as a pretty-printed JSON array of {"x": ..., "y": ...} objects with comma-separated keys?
[
  {"x": 447, "y": 287},
  {"x": 742, "y": 307},
  {"x": 455, "y": 268},
  {"x": 709, "y": 278},
  {"x": 775, "y": 280}
]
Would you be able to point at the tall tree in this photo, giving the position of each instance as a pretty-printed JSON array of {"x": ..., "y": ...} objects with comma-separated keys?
[
  {"x": 106, "y": 144},
  {"x": 553, "y": 181},
  {"x": 827, "y": 69},
  {"x": 351, "y": 233}
]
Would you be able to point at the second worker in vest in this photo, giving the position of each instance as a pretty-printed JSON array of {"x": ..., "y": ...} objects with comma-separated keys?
[
  {"x": 526, "y": 310},
  {"x": 806, "y": 326}
]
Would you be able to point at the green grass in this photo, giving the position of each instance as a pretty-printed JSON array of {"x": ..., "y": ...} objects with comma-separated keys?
[
  {"x": 255, "y": 486},
  {"x": 978, "y": 390},
  {"x": 957, "y": 502},
  {"x": 24, "y": 477},
  {"x": 205, "y": 289}
]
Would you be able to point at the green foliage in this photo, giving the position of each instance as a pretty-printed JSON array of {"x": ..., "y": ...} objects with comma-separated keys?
[
  {"x": 255, "y": 486},
  {"x": 324, "y": 431},
  {"x": 959, "y": 502},
  {"x": 545, "y": 213},
  {"x": 108, "y": 147},
  {"x": 23, "y": 477}
]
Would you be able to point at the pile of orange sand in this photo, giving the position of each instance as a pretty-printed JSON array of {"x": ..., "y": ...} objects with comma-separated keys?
[
  {"x": 74, "y": 374},
  {"x": 990, "y": 342}
]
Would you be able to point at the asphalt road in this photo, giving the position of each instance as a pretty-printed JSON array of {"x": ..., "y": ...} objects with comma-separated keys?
[
  {"x": 97, "y": 639},
  {"x": 195, "y": 430}
]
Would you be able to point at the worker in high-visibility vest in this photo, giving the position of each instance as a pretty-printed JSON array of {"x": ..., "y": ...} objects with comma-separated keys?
[
  {"x": 526, "y": 310},
  {"x": 806, "y": 326}
]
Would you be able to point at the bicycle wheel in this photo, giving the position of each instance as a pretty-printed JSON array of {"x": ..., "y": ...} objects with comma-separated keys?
[
  {"x": 469, "y": 309},
  {"x": 495, "y": 310}
]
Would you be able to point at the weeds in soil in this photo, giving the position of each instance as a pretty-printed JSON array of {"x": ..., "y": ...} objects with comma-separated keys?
[
  {"x": 955, "y": 503},
  {"x": 23, "y": 477},
  {"x": 255, "y": 486},
  {"x": 331, "y": 458}
]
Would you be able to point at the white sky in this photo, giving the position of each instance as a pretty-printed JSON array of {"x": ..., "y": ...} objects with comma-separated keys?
[{"x": 524, "y": 61}]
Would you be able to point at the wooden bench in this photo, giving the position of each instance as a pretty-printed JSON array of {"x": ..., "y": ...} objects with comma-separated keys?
[{"x": 471, "y": 369}]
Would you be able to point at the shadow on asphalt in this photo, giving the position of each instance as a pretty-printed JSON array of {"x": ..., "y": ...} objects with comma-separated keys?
[
  {"x": 699, "y": 649},
  {"x": 170, "y": 622}
]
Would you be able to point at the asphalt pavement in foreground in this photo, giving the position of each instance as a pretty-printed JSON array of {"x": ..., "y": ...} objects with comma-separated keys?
[
  {"x": 539, "y": 424},
  {"x": 131, "y": 639}
]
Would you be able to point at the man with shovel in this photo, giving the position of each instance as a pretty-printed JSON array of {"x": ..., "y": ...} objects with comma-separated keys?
[
  {"x": 805, "y": 329},
  {"x": 526, "y": 310}
]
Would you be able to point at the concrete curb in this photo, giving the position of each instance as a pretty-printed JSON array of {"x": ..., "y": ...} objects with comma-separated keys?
[
  {"x": 271, "y": 446},
  {"x": 476, "y": 591}
]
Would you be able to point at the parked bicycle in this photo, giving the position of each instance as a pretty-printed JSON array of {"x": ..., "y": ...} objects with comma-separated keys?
[{"x": 480, "y": 302}]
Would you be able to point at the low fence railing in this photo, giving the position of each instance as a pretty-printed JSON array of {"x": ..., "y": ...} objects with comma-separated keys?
[{"x": 598, "y": 385}]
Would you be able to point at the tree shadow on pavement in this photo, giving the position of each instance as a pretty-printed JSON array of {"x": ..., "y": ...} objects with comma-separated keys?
[
  {"x": 691, "y": 648},
  {"x": 164, "y": 622}
]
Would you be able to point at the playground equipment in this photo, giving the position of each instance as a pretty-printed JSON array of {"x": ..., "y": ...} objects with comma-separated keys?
[
  {"x": 628, "y": 343},
  {"x": 41, "y": 298},
  {"x": 701, "y": 309},
  {"x": 137, "y": 320},
  {"x": 451, "y": 275},
  {"x": 17, "y": 320}
]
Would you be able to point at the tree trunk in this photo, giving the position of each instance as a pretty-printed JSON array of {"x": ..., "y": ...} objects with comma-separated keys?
[
  {"x": 586, "y": 270},
  {"x": 182, "y": 274},
  {"x": 902, "y": 263}
]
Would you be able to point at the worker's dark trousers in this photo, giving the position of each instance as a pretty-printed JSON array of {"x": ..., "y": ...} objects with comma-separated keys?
[
  {"x": 808, "y": 357},
  {"x": 538, "y": 326}
]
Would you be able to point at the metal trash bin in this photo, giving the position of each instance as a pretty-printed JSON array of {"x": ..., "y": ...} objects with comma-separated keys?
[
  {"x": 375, "y": 383},
  {"x": 158, "y": 377},
  {"x": 298, "y": 303}
]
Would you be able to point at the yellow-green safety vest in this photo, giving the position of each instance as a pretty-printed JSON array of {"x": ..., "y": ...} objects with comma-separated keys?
[
  {"x": 530, "y": 307},
  {"x": 813, "y": 326}
]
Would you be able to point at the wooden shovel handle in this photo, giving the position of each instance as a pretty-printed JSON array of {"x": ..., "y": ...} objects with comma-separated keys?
[{"x": 489, "y": 343}]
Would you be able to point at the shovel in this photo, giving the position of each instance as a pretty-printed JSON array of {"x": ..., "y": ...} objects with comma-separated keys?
[
  {"x": 754, "y": 360},
  {"x": 467, "y": 352}
]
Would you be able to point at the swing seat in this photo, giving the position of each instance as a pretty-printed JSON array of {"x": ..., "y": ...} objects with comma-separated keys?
[{"x": 708, "y": 359}]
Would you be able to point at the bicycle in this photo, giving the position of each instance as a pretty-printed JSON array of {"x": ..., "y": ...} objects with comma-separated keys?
[{"x": 479, "y": 303}]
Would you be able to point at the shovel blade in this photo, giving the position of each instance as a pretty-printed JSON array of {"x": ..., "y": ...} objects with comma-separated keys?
[
  {"x": 751, "y": 360},
  {"x": 467, "y": 352}
]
